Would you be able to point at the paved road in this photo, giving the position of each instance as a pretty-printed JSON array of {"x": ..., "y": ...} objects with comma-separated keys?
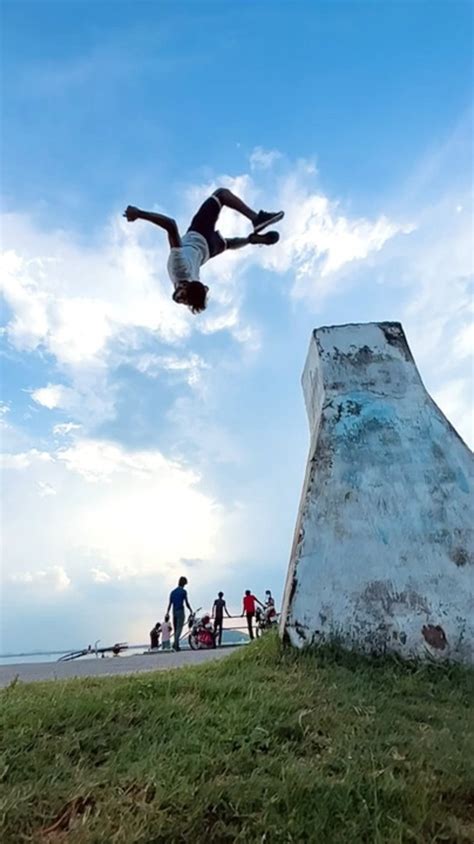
[{"x": 30, "y": 672}]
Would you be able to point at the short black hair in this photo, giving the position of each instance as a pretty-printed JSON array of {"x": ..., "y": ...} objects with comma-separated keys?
[
  {"x": 248, "y": 592},
  {"x": 182, "y": 581},
  {"x": 220, "y": 594},
  {"x": 196, "y": 296}
]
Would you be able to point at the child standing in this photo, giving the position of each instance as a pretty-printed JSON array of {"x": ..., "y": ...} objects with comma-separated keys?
[{"x": 166, "y": 633}]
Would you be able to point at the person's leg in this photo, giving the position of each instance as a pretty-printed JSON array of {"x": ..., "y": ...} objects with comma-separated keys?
[
  {"x": 178, "y": 627},
  {"x": 230, "y": 200},
  {"x": 249, "y": 624},
  {"x": 260, "y": 219},
  {"x": 205, "y": 218},
  {"x": 267, "y": 239}
]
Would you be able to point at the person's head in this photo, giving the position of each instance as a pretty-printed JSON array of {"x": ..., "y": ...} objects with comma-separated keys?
[
  {"x": 182, "y": 581},
  {"x": 167, "y": 618},
  {"x": 248, "y": 592},
  {"x": 268, "y": 593},
  {"x": 193, "y": 294},
  {"x": 220, "y": 594}
]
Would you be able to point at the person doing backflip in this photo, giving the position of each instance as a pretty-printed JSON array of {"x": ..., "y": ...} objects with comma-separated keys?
[{"x": 202, "y": 241}]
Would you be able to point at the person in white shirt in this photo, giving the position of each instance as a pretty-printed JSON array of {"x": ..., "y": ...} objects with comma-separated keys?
[
  {"x": 202, "y": 241},
  {"x": 166, "y": 633}
]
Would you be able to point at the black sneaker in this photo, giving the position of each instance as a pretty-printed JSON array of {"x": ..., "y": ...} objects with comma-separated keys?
[
  {"x": 267, "y": 239},
  {"x": 265, "y": 218}
]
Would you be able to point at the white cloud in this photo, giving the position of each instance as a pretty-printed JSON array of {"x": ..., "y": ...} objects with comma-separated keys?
[
  {"x": 103, "y": 508},
  {"x": 262, "y": 159},
  {"x": 46, "y": 489},
  {"x": 52, "y": 396},
  {"x": 23, "y": 460},
  {"x": 464, "y": 340},
  {"x": 100, "y": 576},
  {"x": 318, "y": 239},
  {"x": 65, "y": 428},
  {"x": 53, "y": 577},
  {"x": 72, "y": 298},
  {"x": 91, "y": 400},
  {"x": 87, "y": 305},
  {"x": 190, "y": 365},
  {"x": 455, "y": 398}
]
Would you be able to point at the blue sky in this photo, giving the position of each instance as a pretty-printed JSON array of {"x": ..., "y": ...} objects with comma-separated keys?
[{"x": 142, "y": 442}]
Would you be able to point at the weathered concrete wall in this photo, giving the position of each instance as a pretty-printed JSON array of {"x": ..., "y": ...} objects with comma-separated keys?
[{"x": 383, "y": 555}]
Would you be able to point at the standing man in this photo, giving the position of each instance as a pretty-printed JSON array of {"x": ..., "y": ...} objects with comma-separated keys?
[
  {"x": 218, "y": 615},
  {"x": 248, "y": 609},
  {"x": 178, "y": 598}
]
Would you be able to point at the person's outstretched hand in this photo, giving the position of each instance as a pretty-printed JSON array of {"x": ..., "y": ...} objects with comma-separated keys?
[{"x": 131, "y": 213}]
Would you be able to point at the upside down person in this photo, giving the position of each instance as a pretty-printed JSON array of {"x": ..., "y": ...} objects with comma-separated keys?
[{"x": 202, "y": 241}]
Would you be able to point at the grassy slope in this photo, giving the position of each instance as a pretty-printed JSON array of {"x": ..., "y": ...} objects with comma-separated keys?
[{"x": 270, "y": 745}]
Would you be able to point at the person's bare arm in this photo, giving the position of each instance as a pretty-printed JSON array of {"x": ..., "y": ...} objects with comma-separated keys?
[{"x": 167, "y": 223}]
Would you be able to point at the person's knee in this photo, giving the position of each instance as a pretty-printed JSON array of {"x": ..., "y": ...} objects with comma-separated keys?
[{"x": 222, "y": 195}]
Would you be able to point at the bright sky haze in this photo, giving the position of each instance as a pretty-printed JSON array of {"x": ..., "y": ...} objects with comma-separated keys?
[{"x": 141, "y": 442}]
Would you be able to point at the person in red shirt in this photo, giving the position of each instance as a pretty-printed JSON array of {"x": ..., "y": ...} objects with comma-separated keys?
[{"x": 248, "y": 609}]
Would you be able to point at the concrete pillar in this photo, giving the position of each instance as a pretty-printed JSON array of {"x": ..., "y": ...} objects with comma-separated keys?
[{"x": 383, "y": 557}]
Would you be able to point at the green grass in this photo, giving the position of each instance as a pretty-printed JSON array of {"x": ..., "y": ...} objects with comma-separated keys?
[{"x": 270, "y": 745}]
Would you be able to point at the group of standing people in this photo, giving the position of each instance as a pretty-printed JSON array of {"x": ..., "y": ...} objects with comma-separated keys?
[{"x": 178, "y": 600}]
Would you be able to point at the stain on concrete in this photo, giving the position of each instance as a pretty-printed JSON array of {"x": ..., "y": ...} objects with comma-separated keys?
[
  {"x": 461, "y": 557},
  {"x": 435, "y": 636},
  {"x": 395, "y": 336},
  {"x": 353, "y": 408},
  {"x": 300, "y": 630},
  {"x": 381, "y": 592},
  {"x": 438, "y": 452},
  {"x": 360, "y": 357}
]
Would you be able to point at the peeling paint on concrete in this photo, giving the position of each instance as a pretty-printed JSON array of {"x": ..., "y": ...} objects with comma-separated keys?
[{"x": 383, "y": 554}]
